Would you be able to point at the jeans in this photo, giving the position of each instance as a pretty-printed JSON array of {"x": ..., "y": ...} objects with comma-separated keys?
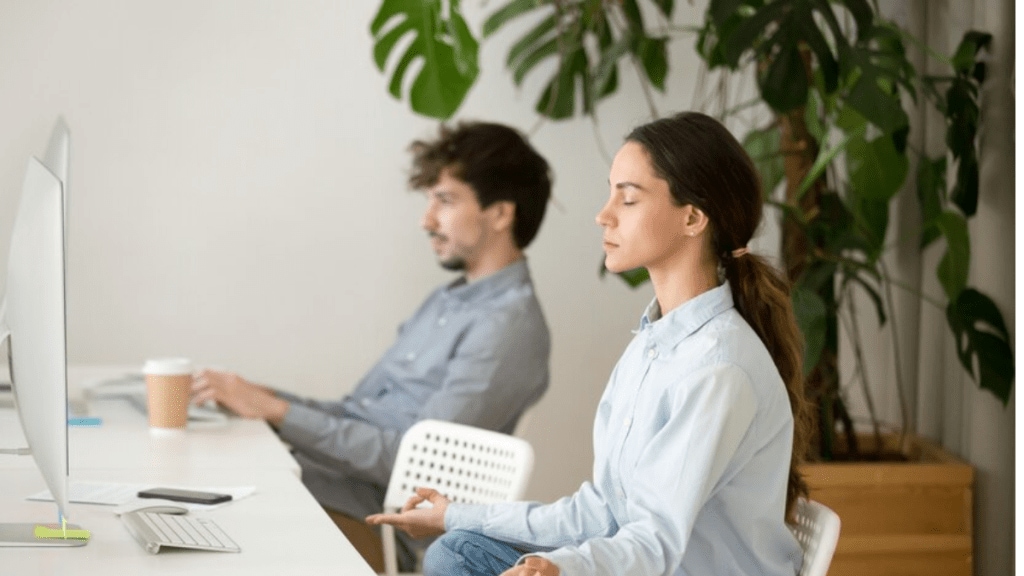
[{"x": 464, "y": 553}]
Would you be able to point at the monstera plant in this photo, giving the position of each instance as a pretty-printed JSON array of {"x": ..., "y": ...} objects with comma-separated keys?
[{"x": 832, "y": 80}]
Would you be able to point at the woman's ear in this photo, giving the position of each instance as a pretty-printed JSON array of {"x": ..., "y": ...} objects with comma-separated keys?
[{"x": 696, "y": 221}]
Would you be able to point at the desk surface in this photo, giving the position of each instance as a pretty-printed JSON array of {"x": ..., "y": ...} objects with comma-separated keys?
[{"x": 281, "y": 528}]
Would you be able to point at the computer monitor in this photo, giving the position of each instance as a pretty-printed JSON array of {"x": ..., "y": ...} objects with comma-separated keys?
[
  {"x": 57, "y": 160},
  {"x": 35, "y": 329}
]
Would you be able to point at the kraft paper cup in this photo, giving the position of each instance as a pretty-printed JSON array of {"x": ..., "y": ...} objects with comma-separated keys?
[{"x": 168, "y": 391}]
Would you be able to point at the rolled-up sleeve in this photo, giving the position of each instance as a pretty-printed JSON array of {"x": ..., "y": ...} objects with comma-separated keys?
[{"x": 498, "y": 369}]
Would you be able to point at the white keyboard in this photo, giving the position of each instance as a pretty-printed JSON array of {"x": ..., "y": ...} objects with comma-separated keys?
[{"x": 152, "y": 530}]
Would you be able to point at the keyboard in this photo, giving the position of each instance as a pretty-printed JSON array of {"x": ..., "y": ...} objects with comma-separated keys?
[{"x": 152, "y": 531}]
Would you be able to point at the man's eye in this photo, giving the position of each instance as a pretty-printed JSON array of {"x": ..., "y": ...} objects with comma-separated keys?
[{"x": 628, "y": 202}]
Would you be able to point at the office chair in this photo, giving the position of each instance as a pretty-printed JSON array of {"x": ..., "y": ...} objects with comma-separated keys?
[
  {"x": 817, "y": 530},
  {"x": 464, "y": 463}
]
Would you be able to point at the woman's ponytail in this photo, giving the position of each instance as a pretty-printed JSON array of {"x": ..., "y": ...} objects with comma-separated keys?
[{"x": 762, "y": 297}]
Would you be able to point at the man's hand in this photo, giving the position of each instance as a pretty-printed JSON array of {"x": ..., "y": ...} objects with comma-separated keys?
[
  {"x": 237, "y": 394},
  {"x": 533, "y": 566},
  {"x": 417, "y": 522}
]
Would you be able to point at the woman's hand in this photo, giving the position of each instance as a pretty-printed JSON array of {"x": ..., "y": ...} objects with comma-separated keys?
[
  {"x": 533, "y": 566},
  {"x": 417, "y": 522}
]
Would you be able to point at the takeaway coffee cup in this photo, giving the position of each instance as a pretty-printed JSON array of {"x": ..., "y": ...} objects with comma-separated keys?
[{"x": 168, "y": 390}]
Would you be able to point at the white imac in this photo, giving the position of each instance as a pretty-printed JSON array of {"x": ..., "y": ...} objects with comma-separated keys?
[
  {"x": 57, "y": 160},
  {"x": 33, "y": 323}
]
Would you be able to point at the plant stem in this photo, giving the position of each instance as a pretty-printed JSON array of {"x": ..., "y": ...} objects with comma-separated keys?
[
  {"x": 904, "y": 407},
  {"x": 854, "y": 334}
]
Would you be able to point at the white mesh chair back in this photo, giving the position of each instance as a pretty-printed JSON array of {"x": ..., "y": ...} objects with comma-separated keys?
[
  {"x": 466, "y": 464},
  {"x": 817, "y": 530}
]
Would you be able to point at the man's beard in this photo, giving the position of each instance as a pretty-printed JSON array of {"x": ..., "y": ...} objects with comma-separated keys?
[{"x": 454, "y": 264}]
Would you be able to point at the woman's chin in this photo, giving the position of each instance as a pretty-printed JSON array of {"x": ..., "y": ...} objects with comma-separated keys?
[{"x": 616, "y": 267}]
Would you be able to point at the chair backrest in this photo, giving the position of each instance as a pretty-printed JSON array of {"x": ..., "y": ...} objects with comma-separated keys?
[
  {"x": 466, "y": 464},
  {"x": 817, "y": 530}
]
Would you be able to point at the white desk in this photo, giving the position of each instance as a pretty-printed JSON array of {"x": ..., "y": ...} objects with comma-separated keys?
[
  {"x": 281, "y": 529},
  {"x": 123, "y": 441}
]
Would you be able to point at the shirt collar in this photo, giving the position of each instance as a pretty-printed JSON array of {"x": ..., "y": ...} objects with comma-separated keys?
[
  {"x": 669, "y": 330},
  {"x": 508, "y": 277}
]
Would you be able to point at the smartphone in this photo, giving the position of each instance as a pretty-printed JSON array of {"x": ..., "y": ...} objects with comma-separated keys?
[{"x": 193, "y": 496}]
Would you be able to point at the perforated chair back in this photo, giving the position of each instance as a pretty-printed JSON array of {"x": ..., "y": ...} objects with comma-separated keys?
[
  {"x": 466, "y": 464},
  {"x": 817, "y": 530}
]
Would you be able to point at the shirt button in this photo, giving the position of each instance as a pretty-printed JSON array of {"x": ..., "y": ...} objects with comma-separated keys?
[
  {"x": 442, "y": 321},
  {"x": 651, "y": 353},
  {"x": 621, "y": 493},
  {"x": 627, "y": 422},
  {"x": 410, "y": 356},
  {"x": 365, "y": 402}
]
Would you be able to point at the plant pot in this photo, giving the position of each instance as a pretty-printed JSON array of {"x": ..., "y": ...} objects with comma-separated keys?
[{"x": 906, "y": 518}]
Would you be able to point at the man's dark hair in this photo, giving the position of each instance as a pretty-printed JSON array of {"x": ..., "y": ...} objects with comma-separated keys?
[{"x": 497, "y": 162}]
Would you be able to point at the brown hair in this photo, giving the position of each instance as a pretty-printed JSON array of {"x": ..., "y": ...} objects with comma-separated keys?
[
  {"x": 498, "y": 164},
  {"x": 706, "y": 167}
]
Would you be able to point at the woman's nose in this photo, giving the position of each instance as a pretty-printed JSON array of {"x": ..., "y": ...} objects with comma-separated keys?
[{"x": 604, "y": 215}]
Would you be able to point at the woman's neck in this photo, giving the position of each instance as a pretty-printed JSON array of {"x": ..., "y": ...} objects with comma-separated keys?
[{"x": 674, "y": 285}]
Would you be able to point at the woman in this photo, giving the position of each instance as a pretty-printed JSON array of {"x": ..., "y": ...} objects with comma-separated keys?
[{"x": 698, "y": 433}]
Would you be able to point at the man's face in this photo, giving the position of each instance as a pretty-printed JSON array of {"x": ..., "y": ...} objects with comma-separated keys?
[{"x": 457, "y": 226}]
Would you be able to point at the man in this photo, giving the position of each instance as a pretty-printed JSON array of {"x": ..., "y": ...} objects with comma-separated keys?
[{"x": 475, "y": 352}]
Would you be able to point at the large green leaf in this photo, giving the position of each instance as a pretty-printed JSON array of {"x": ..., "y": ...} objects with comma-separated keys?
[
  {"x": 510, "y": 11},
  {"x": 965, "y": 191},
  {"x": 877, "y": 171},
  {"x": 743, "y": 33},
  {"x": 823, "y": 161},
  {"x": 763, "y": 148},
  {"x": 862, "y": 13},
  {"x": 784, "y": 85},
  {"x": 810, "y": 313},
  {"x": 446, "y": 47},
  {"x": 955, "y": 264},
  {"x": 653, "y": 55},
  {"x": 607, "y": 66},
  {"x": 931, "y": 189},
  {"x": 981, "y": 332},
  {"x": 827, "y": 65},
  {"x": 881, "y": 108},
  {"x": 558, "y": 100},
  {"x": 721, "y": 10},
  {"x": 526, "y": 44}
]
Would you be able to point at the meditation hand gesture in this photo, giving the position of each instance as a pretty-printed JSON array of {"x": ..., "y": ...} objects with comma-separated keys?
[{"x": 417, "y": 522}]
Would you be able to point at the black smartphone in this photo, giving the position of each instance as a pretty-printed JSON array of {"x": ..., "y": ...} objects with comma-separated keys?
[{"x": 193, "y": 496}]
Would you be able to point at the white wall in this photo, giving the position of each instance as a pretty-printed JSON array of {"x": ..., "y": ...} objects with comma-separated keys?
[{"x": 238, "y": 181}]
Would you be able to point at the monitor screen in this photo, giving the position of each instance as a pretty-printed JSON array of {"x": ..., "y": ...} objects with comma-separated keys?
[{"x": 35, "y": 319}]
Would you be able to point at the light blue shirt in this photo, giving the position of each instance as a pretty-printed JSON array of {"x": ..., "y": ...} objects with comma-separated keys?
[
  {"x": 474, "y": 353},
  {"x": 692, "y": 444}
]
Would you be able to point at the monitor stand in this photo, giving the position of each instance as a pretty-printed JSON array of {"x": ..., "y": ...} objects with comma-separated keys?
[{"x": 23, "y": 535}]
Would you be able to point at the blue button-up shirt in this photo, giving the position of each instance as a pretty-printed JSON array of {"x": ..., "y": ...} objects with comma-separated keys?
[
  {"x": 474, "y": 353},
  {"x": 692, "y": 444}
]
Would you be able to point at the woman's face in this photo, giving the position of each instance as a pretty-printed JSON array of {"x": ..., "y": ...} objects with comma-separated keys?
[{"x": 642, "y": 225}]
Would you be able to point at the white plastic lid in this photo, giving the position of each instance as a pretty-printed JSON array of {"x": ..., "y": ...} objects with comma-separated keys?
[{"x": 167, "y": 366}]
